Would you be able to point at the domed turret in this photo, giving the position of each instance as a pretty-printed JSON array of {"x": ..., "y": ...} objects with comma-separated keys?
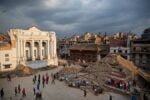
[{"x": 146, "y": 34}]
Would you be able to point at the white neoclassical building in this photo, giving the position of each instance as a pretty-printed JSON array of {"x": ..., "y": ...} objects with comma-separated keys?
[{"x": 31, "y": 47}]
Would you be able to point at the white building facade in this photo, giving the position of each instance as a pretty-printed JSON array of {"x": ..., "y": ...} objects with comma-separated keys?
[
  {"x": 123, "y": 51},
  {"x": 7, "y": 57},
  {"x": 32, "y": 47}
]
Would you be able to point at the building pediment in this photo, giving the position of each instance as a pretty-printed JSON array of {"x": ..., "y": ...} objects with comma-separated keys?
[{"x": 33, "y": 29}]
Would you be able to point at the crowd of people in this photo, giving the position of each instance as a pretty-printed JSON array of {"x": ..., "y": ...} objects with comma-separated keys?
[
  {"x": 121, "y": 84},
  {"x": 39, "y": 82},
  {"x": 17, "y": 91}
]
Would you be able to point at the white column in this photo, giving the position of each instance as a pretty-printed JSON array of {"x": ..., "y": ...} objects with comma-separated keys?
[
  {"x": 52, "y": 49},
  {"x": 54, "y": 43},
  {"x": 21, "y": 47},
  {"x": 40, "y": 51},
  {"x": 18, "y": 52},
  {"x": 32, "y": 48},
  {"x": 48, "y": 55},
  {"x": 24, "y": 49}
]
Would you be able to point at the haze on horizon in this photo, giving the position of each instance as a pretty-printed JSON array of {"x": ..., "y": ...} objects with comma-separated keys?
[{"x": 76, "y": 16}]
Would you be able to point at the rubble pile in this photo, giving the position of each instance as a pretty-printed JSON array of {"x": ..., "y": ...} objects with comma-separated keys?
[
  {"x": 95, "y": 76},
  {"x": 110, "y": 59},
  {"x": 97, "y": 73},
  {"x": 117, "y": 60},
  {"x": 114, "y": 59},
  {"x": 22, "y": 70},
  {"x": 127, "y": 64},
  {"x": 90, "y": 77}
]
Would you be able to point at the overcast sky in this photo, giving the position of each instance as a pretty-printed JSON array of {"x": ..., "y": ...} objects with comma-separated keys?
[{"x": 76, "y": 16}]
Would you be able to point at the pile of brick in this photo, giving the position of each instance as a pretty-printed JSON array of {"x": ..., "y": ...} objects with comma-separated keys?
[
  {"x": 101, "y": 71},
  {"x": 97, "y": 73},
  {"x": 118, "y": 60}
]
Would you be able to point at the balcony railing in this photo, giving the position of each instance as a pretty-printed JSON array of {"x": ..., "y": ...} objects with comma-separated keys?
[{"x": 140, "y": 51}]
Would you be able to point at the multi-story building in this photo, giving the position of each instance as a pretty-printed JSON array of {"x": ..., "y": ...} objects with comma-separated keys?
[
  {"x": 84, "y": 53},
  {"x": 31, "y": 47},
  {"x": 120, "y": 43},
  {"x": 140, "y": 50},
  {"x": 119, "y": 46},
  {"x": 119, "y": 35},
  {"x": 8, "y": 54},
  {"x": 65, "y": 44},
  {"x": 88, "y": 52}
]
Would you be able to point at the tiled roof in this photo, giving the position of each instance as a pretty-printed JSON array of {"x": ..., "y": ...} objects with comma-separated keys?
[
  {"x": 1, "y": 37},
  {"x": 5, "y": 42},
  {"x": 90, "y": 47}
]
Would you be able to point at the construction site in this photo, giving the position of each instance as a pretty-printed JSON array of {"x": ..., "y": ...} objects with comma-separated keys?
[{"x": 112, "y": 73}]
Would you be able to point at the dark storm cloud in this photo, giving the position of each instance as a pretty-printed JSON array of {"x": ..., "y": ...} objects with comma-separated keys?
[
  {"x": 76, "y": 16},
  {"x": 10, "y": 4},
  {"x": 120, "y": 16}
]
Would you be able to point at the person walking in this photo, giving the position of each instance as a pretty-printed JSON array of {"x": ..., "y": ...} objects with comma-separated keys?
[
  {"x": 43, "y": 80},
  {"x": 16, "y": 91},
  {"x": 39, "y": 78},
  {"x": 23, "y": 93},
  {"x": 35, "y": 78},
  {"x": 19, "y": 88},
  {"x": 110, "y": 97},
  {"x": 34, "y": 90},
  {"x": 2, "y": 93},
  {"x": 9, "y": 77},
  {"x": 47, "y": 78},
  {"x": 85, "y": 92},
  {"x": 38, "y": 86},
  {"x": 57, "y": 75},
  {"x": 54, "y": 76},
  {"x": 53, "y": 79}
]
